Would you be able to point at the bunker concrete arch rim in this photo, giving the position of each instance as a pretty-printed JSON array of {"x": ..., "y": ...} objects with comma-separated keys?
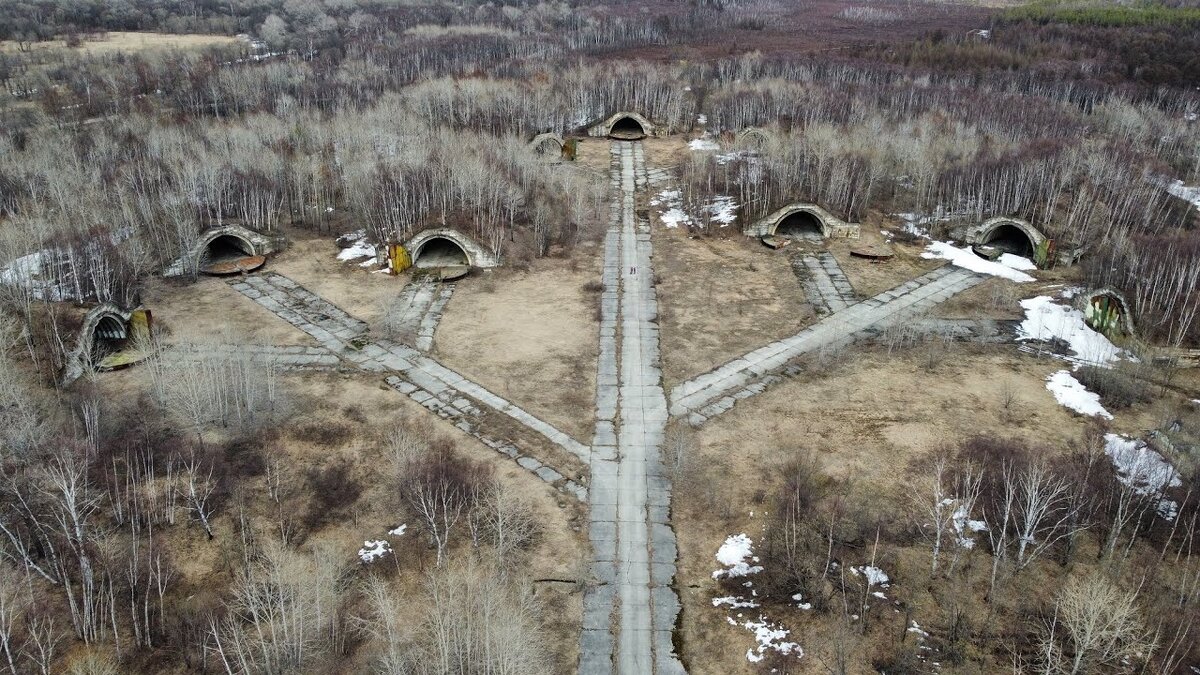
[
  {"x": 753, "y": 136},
  {"x": 785, "y": 216},
  {"x": 245, "y": 242},
  {"x": 229, "y": 249},
  {"x": 1106, "y": 309},
  {"x": 1013, "y": 235},
  {"x": 105, "y": 329},
  {"x": 445, "y": 242},
  {"x": 544, "y": 139},
  {"x": 628, "y": 125},
  {"x": 830, "y": 225}
]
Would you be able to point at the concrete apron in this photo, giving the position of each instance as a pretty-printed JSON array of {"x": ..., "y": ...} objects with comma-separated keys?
[{"x": 633, "y": 544}]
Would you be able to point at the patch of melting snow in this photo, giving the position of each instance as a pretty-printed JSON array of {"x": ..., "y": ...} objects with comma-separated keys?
[
  {"x": 373, "y": 550},
  {"x": 396, "y": 532},
  {"x": 27, "y": 270},
  {"x": 734, "y": 602},
  {"x": 915, "y": 224},
  {"x": 874, "y": 575},
  {"x": 705, "y": 144},
  {"x": 963, "y": 525},
  {"x": 727, "y": 157},
  {"x": 1140, "y": 467},
  {"x": 1071, "y": 393},
  {"x": 1016, "y": 262},
  {"x": 722, "y": 210},
  {"x": 1185, "y": 192},
  {"x": 361, "y": 248},
  {"x": 1046, "y": 320},
  {"x": 733, "y": 555},
  {"x": 799, "y": 598},
  {"x": 966, "y": 259},
  {"x": 770, "y": 636}
]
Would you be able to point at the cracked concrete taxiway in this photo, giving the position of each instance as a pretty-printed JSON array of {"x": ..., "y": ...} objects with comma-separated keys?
[{"x": 630, "y": 609}]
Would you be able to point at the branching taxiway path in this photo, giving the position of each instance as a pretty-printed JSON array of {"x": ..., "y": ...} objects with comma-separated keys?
[
  {"x": 469, "y": 405},
  {"x": 630, "y": 606}
]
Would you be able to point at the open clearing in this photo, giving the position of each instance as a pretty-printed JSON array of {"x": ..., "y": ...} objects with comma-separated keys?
[
  {"x": 312, "y": 262},
  {"x": 530, "y": 337},
  {"x": 209, "y": 311},
  {"x": 124, "y": 41},
  {"x": 721, "y": 297}
]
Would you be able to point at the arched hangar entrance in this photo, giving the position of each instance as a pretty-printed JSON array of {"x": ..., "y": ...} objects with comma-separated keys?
[
  {"x": 228, "y": 250},
  {"x": 1006, "y": 235},
  {"x": 624, "y": 126},
  {"x": 800, "y": 225},
  {"x": 548, "y": 145},
  {"x": 802, "y": 220},
  {"x": 440, "y": 252},
  {"x": 627, "y": 129},
  {"x": 1107, "y": 311},
  {"x": 110, "y": 336},
  {"x": 448, "y": 252}
]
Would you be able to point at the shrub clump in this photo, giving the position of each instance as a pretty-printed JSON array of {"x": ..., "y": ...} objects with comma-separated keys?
[{"x": 1116, "y": 389}]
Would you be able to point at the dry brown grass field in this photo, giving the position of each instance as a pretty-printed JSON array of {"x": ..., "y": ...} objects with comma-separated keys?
[{"x": 126, "y": 41}]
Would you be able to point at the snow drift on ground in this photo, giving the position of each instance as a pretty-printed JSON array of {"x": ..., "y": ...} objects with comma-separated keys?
[
  {"x": 1071, "y": 393},
  {"x": 963, "y": 525},
  {"x": 721, "y": 210},
  {"x": 1143, "y": 469},
  {"x": 1047, "y": 320},
  {"x": 705, "y": 144},
  {"x": 727, "y": 157},
  {"x": 1186, "y": 192},
  {"x": 733, "y": 555},
  {"x": 966, "y": 258},
  {"x": 874, "y": 575},
  {"x": 374, "y": 549},
  {"x": 915, "y": 225},
  {"x": 361, "y": 248}
]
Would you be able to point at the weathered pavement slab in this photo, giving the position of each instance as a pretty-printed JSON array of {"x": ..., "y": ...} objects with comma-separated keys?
[
  {"x": 421, "y": 304},
  {"x": 429, "y": 383},
  {"x": 826, "y": 285},
  {"x": 293, "y": 357},
  {"x": 633, "y": 544},
  {"x": 332, "y": 327},
  {"x": 718, "y": 390}
]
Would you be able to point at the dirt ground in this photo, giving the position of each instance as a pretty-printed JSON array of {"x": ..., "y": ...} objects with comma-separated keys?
[
  {"x": 664, "y": 153},
  {"x": 720, "y": 298},
  {"x": 869, "y": 277},
  {"x": 312, "y": 262},
  {"x": 531, "y": 336},
  {"x": 209, "y": 311},
  {"x": 865, "y": 418},
  {"x": 594, "y": 154}
]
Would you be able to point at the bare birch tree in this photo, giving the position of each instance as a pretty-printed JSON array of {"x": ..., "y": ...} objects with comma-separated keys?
[{"x": 1095, "y": 625}]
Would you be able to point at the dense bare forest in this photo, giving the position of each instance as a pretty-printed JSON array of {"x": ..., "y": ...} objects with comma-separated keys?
[{"x": 397, "y": 117}]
